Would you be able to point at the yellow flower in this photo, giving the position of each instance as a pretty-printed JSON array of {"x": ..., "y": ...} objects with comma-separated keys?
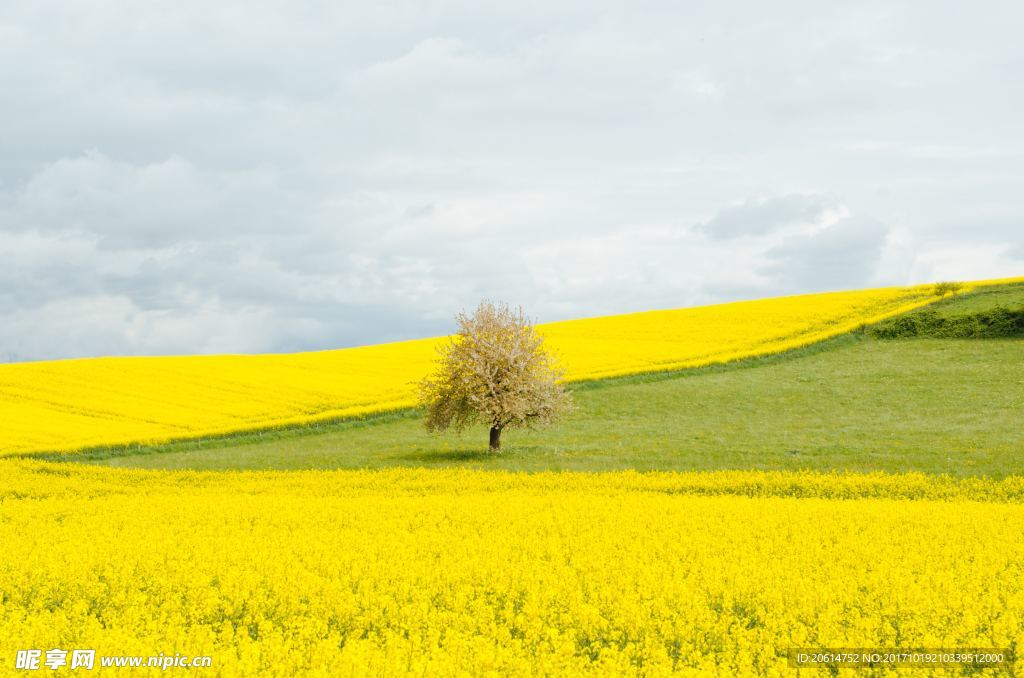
[{"x": 456, "y": 572}]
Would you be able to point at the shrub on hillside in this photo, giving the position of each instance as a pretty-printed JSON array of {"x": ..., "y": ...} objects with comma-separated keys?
[
  {"x": 945, "y": 287},
  {"x": 998, "y": 323}
]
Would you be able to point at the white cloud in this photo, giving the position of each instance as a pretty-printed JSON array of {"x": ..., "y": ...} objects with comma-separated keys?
[
  {"x": 273, "y": 177},
  {"x": 958, "y": 262}
]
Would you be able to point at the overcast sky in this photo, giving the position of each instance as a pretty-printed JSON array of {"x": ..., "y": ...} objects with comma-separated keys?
[{"x": 197, "y": 177}]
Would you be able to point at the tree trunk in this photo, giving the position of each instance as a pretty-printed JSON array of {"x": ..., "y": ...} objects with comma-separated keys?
[{"x": 495, "y": 438}]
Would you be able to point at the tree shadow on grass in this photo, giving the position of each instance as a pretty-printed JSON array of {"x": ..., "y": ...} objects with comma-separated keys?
[
  {"x": 447, "y": 456},
  {"x": 522, "y": 457}
]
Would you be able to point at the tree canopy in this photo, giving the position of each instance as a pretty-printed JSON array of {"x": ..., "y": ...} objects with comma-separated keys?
[{"x": 497, "y": 371}]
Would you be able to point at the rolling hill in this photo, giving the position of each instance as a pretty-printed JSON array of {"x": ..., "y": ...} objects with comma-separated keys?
[
  {"x": 855, "y": 402},
  {"x": 70, "y": 405}
]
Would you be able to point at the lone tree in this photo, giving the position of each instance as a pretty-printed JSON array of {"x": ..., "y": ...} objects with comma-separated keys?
[{"x": 495, "y": 370}]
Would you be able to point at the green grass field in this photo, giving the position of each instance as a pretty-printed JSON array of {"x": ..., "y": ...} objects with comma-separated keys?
[
  {"x": 1008, "y": 296},
  {"x": 854, "y": 403}
]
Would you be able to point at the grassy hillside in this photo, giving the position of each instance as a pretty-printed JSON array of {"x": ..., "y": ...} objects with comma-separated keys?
[
  {"x": 1009, "y": 296},
  {"x": 853, "y": 403},
  {"x": 994, "y": 313}
]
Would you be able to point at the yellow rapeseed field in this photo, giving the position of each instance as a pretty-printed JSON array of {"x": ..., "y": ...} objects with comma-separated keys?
[
  {"x": 458, "y": 572},
  {"x": 76, "y": 404},
  {"x": 443, "y": 573}
]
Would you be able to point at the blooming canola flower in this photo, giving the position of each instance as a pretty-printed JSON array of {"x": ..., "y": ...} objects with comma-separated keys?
[{"x": 457, "y": 572}]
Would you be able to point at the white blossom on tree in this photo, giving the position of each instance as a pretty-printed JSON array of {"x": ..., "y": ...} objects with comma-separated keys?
[{"x": 496, "y": 371}]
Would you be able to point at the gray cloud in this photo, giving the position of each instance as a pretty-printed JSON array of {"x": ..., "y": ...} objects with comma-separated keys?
[
  {"x": 275, "y": 177},
  {"x": 846, "y": 254},
  {"x": 761, "y": 216},
  {"x": 148, "y": 205}
]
